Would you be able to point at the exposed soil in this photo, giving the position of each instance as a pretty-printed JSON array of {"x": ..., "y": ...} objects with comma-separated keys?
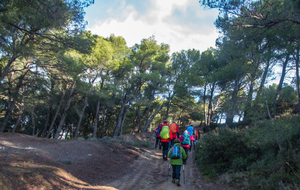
[{"x": 31, "y": 163}]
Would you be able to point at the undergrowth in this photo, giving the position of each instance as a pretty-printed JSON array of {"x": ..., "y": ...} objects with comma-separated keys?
[{"x": 264, "y": 156}]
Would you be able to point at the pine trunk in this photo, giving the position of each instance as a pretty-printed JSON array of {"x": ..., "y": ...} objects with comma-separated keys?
[
  {"x": 56, "y": 114},
  {"x": 81, "y": 115},
  {"x": 284, "y": 65},
  {"x": 62, "y": 120}
]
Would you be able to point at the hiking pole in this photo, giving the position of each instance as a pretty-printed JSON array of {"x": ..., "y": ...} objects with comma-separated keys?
[
  {"x": 183, "y": 174},
  {"x": 168, "y": 171}
]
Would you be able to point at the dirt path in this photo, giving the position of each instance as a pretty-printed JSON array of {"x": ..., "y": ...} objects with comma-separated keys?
[
  {"x": 84, "y": 165},
  {"x": 150, "y": 171}
]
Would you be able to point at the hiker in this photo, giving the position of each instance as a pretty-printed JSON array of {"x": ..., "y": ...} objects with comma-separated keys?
[
  {"x": 157, "y": 137},
  {"x": 166, "y": 136},
  {"x": 175, "y": 133},
  {"x": 190, "y": 129},
  {"x": 196, "y": 136},
  {"x": 186, "y": 140},
  {"x": 176, "y": 154}
]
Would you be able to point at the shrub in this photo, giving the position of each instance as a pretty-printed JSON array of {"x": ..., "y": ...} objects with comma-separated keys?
[
  {"x": 222, "y": 151},
  {"x": 267, "y": 153}
]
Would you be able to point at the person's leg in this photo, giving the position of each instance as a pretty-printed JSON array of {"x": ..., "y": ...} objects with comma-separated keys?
[
  {"x": 178, "y": 175},
  {"x": 163, "y": 149},
  {"x": 165, "y": 146},
  {"x": 177, "y": 171},
  {"x": 186, "y": 152},
  {"x": 159, "y": 139},
  {"x": 173, "y": 173},
  {"x": 156, "y": 142}
]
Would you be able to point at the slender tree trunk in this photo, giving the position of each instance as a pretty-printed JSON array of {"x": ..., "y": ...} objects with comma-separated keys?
[
  {"x": 156, "y": 112},
  {"x": 137, "y": 113},
  {"x": 231, "y": 111},
  {"x": 50, "y": 102},
  {"x": 263, "y": 80},
  {"x": 204, "y": 103},
  {"x": 284, "y": 65},
  {"x": 96, "y": 118},
  {"x": 103, "y": 125},
  {"x": 12, "y": 104},
  {"x": 140, "y": 120},
  {"x": 209, "y": 113},
  {"x": 297, "y": 78},
  {"x": 248, "y": 102},
  {"x": 6, "y": 68},
  {"x": 123, "y": 119},
  {"x": 20, "y": 113},
  {"x": 148, "y": 112},
  {"x": 56, "y": 113},
  {"x": 120, "y": 117},
  {"x": 167, "y": 112},
  {"x": 81, "y": 115},
  {"x": 62, "y": 120},
  {"x": 32, "y": 109}
]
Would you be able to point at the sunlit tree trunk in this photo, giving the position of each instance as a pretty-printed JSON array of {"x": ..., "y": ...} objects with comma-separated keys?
[
  {"x": 63, "y": 117},
  {"x": 81, "y": 115},
  {"x": 283, "y": 73},
  {"x": 56, "y": 113}
]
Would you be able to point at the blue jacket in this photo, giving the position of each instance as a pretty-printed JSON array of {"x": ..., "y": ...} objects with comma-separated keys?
[{"x": 190, "y": 129}]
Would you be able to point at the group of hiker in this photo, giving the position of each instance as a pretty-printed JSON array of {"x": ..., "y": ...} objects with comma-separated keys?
[{"x": 175, "y": 146}]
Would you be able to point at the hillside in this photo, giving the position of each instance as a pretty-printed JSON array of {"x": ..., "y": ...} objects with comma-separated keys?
[{"x": 34, "y": 163}]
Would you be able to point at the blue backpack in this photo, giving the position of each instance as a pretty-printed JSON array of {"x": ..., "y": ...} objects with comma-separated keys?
[
  {"x": 158, "y": 131},
  {"x": 190, "y": 129},
  {"x": 175, "y": 152},
  {"x": 186, "y": 139}
]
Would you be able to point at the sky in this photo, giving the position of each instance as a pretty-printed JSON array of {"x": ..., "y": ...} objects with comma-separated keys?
[{"x": 183, "y": 24}]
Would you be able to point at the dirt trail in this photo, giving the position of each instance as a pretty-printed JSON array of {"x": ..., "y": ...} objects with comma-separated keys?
[
  {"x": 150, "y": 171},
  {"x": 82, "y": 165}
]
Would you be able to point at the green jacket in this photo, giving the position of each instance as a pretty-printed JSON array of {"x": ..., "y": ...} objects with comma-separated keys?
[{"x": 177, "y": 161}]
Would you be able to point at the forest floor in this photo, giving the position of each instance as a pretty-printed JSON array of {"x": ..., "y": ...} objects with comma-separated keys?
[{"x": 31, "y": 163}]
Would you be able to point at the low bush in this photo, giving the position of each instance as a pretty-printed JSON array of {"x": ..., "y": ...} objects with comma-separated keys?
[{"x": 267, "y": 153}]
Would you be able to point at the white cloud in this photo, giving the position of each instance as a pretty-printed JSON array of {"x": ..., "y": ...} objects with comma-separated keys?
[{"x": 158, "y": 21}]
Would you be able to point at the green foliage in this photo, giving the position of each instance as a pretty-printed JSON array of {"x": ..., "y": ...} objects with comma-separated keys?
[
  {"x": 267, "y": 154},
  {"x": 222, "y": 151}
]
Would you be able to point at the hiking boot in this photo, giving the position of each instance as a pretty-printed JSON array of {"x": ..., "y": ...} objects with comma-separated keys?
[
  {"x": 177, "y": 182},
  {"x": 173, "y": 180}
]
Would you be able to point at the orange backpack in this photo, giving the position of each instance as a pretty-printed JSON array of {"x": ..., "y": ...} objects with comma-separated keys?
[{"x": 173, "y": 128}]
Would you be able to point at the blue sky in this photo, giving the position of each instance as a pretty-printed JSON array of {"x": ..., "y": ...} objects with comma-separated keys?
[{"x": 183, "y": 24}]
